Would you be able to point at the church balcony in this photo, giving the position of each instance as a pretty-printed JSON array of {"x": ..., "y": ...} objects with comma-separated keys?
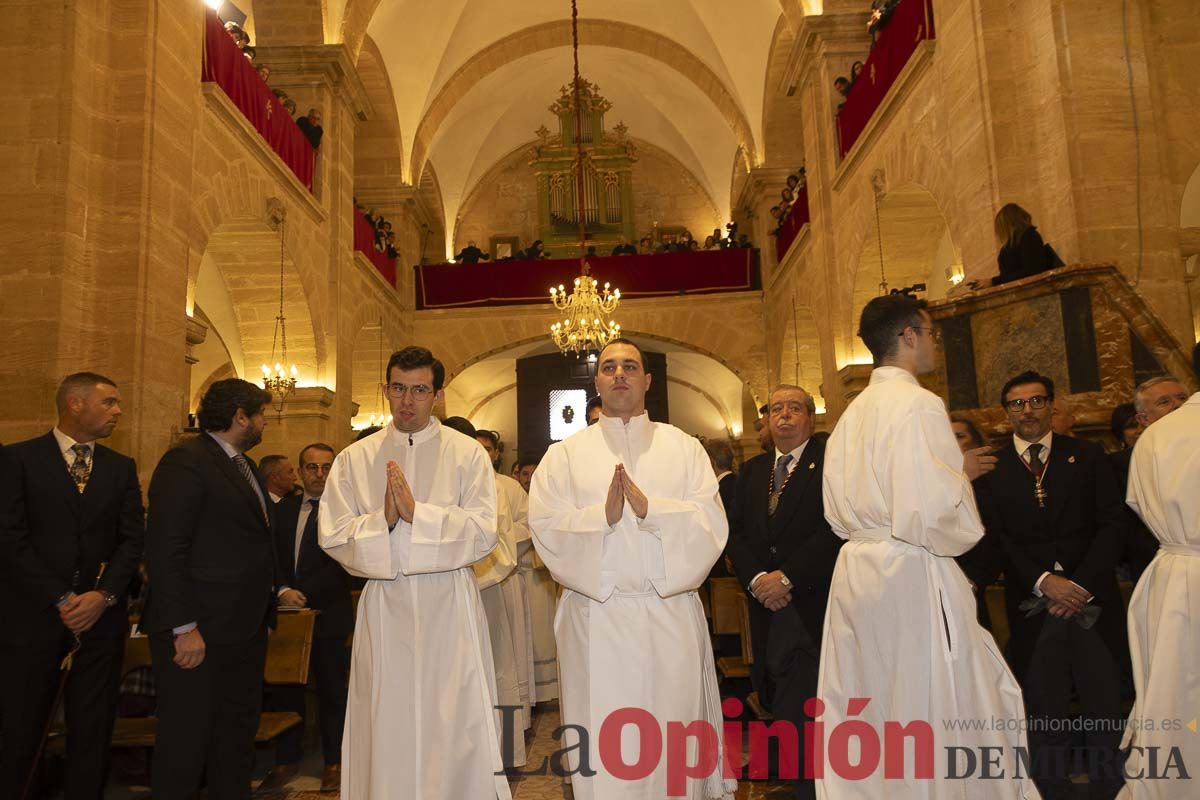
[
  {"x": 505, "y": 283},
  {"x": 226, "y": 67},
  {"x": 364, "y": 243}
]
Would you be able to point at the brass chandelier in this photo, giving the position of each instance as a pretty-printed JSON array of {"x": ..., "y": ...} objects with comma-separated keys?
[
  {"x": 586, "y": 323},
  {"x": 281, "y": 382}
]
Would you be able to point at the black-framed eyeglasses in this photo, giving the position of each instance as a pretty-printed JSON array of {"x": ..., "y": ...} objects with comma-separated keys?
[
  {"x": 934, "y": 333},
  {"x": 1037, "y": 403},
  {"x": 419, "y": 392}
]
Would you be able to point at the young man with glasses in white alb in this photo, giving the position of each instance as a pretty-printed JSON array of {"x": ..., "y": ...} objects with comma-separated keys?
[{"x": 411, "y": 508}]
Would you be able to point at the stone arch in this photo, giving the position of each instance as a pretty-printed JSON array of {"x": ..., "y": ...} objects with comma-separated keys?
[
  {"x": 506, "y": 161},
  {"x": 783, "y": 144},
  {"x": 592, "y": 32},
  {"x": 917, "y": 247},
  {"x": 378, "y": 141}
]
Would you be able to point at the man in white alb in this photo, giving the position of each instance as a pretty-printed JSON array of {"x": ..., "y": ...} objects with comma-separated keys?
[
  {"x": 625, "y": 515},
  {"x": 900, "y": 629},
  {"x": 411, "y": 508},
  {"x": 1164, "y": 611}
]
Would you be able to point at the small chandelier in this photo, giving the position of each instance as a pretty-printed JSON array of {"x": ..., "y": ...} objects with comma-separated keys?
[
  {"x": 586, "y": 325},
  {"x": 278, "y": 382}
]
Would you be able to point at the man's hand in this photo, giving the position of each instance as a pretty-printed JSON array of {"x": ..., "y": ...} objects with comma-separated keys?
[
  {"x": 614, "y": 504},
  {"x": 1065, "y": 593},
  {"x": 637, "y": 500},
  {"x": 780, "y": 603},
  {"x": 979, "y": 461},
  {"x": 189, "y": 649},
  {"x": 293, "y": 597},
  {"x": 1056, "y": 609},
  {"x": 398, "y": 502},
  {"x": 769, "y": 590},
  {"x": 80, "y": 613}
]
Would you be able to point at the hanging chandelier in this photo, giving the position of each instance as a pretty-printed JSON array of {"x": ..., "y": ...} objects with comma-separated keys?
[
  {"x": 587, "y": 309},
  {"x": 278, "y": 382}
]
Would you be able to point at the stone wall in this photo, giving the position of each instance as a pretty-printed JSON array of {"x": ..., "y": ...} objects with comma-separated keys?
[{"x": 504, "y": 202}]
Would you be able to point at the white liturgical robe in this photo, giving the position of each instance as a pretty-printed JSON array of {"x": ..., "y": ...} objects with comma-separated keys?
[
  {"x": 1164, "y": 612},
  {"x": 420, "y": 722},
  {"x": 503, "y": 597},
  {"x": 630, "y": 627},
  {"x": 900, "y": 628}
]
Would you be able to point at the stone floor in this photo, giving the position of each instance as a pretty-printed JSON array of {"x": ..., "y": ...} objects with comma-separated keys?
[{"x": 306, "y": 784}]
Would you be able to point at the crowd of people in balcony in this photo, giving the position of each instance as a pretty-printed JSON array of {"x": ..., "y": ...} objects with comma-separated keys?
[
  {"x": 385, "y": 236},
  {"x": 310, "y": 123},
  {"x": 787, "y": 196}
]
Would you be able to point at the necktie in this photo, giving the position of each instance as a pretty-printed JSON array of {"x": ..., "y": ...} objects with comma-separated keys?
[
  {"x": 780, "y": 478},
  {"x": 244, "y": 467},
  {"x": 81, "y": 467},
  {"x": 310, "y": 530},
  {"x": 1036, "y": 465}
]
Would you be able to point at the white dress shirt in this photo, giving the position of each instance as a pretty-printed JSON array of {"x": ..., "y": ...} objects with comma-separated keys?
[
  {"x": 65, "y": 443},
  {"x": 306, "y": 510}
]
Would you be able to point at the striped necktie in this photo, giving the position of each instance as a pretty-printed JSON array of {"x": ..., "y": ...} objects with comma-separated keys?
[{"x": 244, "y": 467}]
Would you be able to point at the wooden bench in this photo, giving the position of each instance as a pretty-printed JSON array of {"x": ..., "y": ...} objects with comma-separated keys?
[
  {"x": 731, "y": 614},
  {"x": 288, "y": 650}
]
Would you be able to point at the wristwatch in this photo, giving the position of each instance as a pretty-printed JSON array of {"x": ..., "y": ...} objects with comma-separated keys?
[
  {"x": 110, "y": 599},
  {"x": 784, "y": 580}
]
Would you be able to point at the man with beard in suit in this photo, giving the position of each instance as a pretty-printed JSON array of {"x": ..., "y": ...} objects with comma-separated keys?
[
  {"x": 311, "y": 579},
  {"x": 1053, "y": 508},
  {"x": 211, "y": 563},
  {"x": 70, "y": 540},
  {"x": 784, "y": 552}
]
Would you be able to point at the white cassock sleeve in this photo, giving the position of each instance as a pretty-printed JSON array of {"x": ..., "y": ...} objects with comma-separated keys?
[
  {"x": 932, "y": 502},
  {"x": 569, "y": 539},
  {"x": 520, "y": 515},
  {"x": 691, "y": 531},
  {"x": 440, "y": 538}
]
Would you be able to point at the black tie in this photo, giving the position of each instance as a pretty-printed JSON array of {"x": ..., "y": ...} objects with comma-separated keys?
[
  {"x": 244, "y": 467},
  {"x": 1035, "y": 459},
  {"x": 309, "y": 534}
]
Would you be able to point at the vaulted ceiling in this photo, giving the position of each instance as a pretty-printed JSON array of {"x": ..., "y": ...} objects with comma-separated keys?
[{"x": 473, "y": 79}]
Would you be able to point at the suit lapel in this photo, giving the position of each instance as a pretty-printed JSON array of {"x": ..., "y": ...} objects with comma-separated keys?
[
  {"x": 789, "y": 501},
  {"x": 225, "y": 464},
  {"x": 1060, "y": 475},
  {"x": 56, "y": 466}
]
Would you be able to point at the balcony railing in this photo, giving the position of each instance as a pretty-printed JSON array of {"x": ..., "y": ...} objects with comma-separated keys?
[
  {"x": 911, "y": 24},
  {"x": 225, "y": 66},
  {"x": 503, "y": 283}
]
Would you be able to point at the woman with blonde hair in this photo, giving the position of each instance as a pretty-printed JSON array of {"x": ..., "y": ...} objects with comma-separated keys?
[{"x": 1022, "y": 251}]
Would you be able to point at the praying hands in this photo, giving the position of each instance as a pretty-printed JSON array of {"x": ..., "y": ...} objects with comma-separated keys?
[
  {"x": 623, "y": 488},
  {"x": 398, "y": 501}
]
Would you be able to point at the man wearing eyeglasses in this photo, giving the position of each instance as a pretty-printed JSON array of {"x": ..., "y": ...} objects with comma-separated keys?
[
  {"x": 1052, "y": 507},
  {"x": 411, "y": 508},
  {"x": 311, "y": 579}
]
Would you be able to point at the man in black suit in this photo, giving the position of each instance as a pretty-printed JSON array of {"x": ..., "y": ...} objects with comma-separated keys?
[
  {"x": 311, "y": 579},
  {"x": 471, "y": 254},
  {"x": 624, "y": 248},
  {"x": 70, "y": 540},
  {"x": 211, "y": 565},
  {"x": 1052, "y": 507},
  {"x": 783, "y": 552}
]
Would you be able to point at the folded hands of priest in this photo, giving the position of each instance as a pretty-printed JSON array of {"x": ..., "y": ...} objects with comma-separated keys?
[{"x": 398, "y": 502}]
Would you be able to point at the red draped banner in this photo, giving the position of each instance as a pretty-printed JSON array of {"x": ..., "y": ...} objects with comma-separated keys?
[
  {"x": 797, "y": 218},
  {"x": 364, "y": 242},
  {"x": 225, "y": 65},
  {"x": 501, "y": 283},
  {"x": 911, "y": 24}
]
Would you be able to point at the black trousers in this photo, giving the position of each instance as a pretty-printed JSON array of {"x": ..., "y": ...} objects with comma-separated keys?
[
  {"x": 793, "y": 663},
  {"x": 1067, "y": 656},
  {"x": 29, "y": 679},
  {"x": 327, "y": 665},
  {"x": 207, "y": 718}
]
